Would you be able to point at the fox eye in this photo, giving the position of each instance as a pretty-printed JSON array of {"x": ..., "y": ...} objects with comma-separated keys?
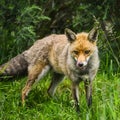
[
  {"x": 87, "y": 51},
  {"x": 75, "y": 52}
]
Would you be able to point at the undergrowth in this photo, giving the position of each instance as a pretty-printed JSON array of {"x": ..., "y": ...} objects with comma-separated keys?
[{"x": 39, "y": 106}]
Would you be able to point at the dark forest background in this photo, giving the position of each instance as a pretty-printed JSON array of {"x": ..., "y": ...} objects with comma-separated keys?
[{"x": 24, "y": 21}]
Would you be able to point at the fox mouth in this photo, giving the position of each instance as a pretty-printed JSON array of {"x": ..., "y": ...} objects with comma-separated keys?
[{"x": 82, "y": 68}]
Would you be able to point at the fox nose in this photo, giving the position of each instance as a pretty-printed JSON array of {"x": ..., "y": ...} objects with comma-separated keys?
[{"x": 80, "y": 64}]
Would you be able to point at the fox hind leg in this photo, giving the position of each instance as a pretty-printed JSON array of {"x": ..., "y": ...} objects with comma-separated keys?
[
  {"x": 35, "y": 72},
  {"x": 56, "y": 79}
]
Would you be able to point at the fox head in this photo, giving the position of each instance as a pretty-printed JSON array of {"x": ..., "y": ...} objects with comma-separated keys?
[{"x": 82, "y": 46}]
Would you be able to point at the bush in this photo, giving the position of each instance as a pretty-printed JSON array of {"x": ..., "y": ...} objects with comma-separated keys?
[{"x": 22, "y": 22}]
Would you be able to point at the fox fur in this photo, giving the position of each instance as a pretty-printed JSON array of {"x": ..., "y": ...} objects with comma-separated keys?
[{"x": 72, "y": 55}]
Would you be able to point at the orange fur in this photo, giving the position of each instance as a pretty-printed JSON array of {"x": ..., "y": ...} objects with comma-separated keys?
[
  {"x": 81, "y": 45},
  {"x": 71, "y": 55}
]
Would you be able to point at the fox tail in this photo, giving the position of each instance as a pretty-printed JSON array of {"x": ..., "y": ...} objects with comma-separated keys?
[{"x": 16, "y": 66}]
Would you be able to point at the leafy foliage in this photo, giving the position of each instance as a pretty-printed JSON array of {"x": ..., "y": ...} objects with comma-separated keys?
[
  {"x": 22, "y": 22},
  {"x": 19, "y": 22}
]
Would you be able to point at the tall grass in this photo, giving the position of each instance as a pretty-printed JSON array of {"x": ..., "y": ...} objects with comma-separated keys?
[{"x": 39, "y": 106}]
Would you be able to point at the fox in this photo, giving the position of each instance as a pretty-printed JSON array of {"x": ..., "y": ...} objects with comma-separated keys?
[{"x": 72, "y": 55}]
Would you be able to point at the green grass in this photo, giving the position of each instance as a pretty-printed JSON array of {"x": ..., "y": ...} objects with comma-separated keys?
[{"x": 39, "y": 106}]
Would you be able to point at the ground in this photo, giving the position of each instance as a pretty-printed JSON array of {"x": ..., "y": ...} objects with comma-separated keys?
[{"x": 39, "y": 106}]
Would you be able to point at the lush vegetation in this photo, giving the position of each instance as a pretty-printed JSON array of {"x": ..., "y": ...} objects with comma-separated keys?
[
  {"x": 39, "y": 106},
  {"x": 23, "y": 22}
]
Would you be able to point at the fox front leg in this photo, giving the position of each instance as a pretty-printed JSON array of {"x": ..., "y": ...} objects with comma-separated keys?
[
  {"x": 75, "y": 93},
  {"x": 88, "y": 90}
]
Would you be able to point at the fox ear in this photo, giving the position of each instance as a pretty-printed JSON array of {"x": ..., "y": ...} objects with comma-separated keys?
[
  {"x": 93, "y": 35},
  {"x": 70, "y": 35}
]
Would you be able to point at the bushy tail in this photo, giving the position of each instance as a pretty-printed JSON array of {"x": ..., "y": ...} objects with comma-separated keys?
[{"x": 16, "y": 66}]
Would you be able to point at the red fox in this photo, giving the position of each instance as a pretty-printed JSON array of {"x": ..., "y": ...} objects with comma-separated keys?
[{"x": 72, "y": 55}]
